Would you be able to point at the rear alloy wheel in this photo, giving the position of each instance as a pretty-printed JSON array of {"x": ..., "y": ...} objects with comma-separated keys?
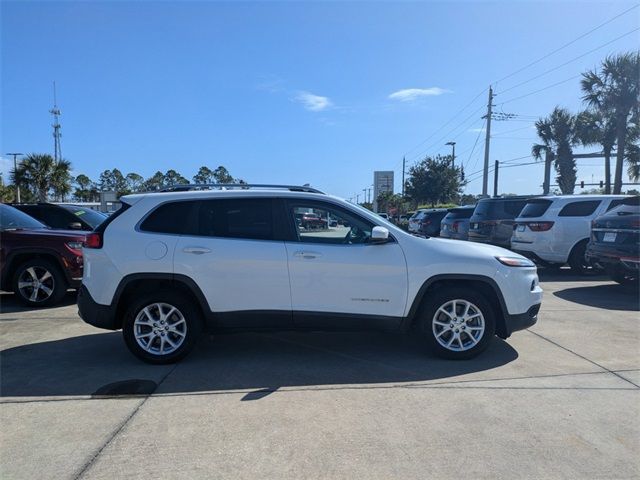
[
  {"x": 622, "y": 276},
  {"x": 39, "y": 283},
  {"x": 161, "y": 327},
  {"x": 578, "y": 259},
  {"x": 458, "y": 324}
]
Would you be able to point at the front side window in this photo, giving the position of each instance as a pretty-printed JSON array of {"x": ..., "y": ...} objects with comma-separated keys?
[
  {"x": 321, "y": 223},
  {"x": 237, "y": 218},
  {"x": 579, "y": 209}
]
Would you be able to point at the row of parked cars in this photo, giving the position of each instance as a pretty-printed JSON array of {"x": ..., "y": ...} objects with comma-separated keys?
[
  {"x": 584, "y": 231},
  {"x": 41, "y": 249}
]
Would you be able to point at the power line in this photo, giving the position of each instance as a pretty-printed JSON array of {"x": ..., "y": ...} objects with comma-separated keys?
[
  {"x": 570, "y": 61},
  {"x": 538, "y": 91},
  {"x": 567, "y": 44}
]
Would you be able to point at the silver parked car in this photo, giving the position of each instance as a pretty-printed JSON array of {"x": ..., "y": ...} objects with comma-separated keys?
[{"x": 456, "y": 223}]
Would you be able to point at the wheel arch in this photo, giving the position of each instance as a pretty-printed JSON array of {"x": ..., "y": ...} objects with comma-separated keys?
[
  {"x": 137, "y": 283},
  {"x": 485, "y": 285}
]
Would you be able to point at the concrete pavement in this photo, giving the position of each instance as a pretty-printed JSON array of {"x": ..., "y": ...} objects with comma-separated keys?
[{"x": 558, "y": 401}]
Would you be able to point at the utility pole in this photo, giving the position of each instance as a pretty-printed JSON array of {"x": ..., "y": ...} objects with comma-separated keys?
[
  {"x": 403, "y": 167},
  {"x": 546, "y": 184},
  {"x": 495, "y": 179},
  {"x": 364, "y": 195},
  {"x": 453, "y": 154},
  {"x": 15, "y": 169},
  {"x": 55, "y": 111},
  {"x": 485, "y": 177},
  {"x": 357, "y": 198}
]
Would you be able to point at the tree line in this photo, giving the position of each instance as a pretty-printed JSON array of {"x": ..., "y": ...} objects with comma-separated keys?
[
  {"x": 40, "y": 178},
  {"x": 611, "y": 120}
]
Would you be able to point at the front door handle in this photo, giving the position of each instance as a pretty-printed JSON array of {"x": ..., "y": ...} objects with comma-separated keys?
[
  {"x": 196, "y": 250},
  {"x": 308, "y": 255}
]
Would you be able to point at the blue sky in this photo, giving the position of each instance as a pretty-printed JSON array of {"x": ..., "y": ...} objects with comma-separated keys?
[{"x": 323, "y": 93}]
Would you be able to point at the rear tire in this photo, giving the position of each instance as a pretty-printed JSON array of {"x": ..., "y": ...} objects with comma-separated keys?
[
  {"x": 161, "y": 327},
  {"x": 460, "y": 334},
  {"x": 622, "y": 277},
  {"x": 577, "y": 259},
  {"x": 39, "y": 283}
]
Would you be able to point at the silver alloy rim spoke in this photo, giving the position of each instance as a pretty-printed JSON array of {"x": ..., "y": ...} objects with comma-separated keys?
[
  {"x": 34, "y": 287},
  {"x": 449, "y": 326},
  {"x": 160, "y": 328}
]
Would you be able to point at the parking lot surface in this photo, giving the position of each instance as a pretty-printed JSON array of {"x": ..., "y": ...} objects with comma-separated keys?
[{"x": 560, "y": 400}]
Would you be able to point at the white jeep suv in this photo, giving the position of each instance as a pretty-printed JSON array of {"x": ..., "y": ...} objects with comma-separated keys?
[
  {"x": 168, "y": 265},
  {"x": 555, "y": 230}
]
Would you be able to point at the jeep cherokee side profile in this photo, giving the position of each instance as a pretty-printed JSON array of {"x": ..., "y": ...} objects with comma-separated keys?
[{"x": 168, "y": 265}]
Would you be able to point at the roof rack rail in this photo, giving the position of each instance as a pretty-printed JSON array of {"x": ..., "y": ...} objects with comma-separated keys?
[{"x": 242, "y": 186}]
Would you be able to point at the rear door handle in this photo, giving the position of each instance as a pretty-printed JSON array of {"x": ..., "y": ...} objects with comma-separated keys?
[
  {"x": 196, "y": 250},
  {"x": 308, "y": 255}
]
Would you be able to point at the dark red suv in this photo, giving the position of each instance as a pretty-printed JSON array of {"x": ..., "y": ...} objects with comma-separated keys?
[{"x": 37, "y": 263}]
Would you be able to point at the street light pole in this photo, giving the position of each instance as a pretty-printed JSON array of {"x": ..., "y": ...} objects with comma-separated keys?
[
  {"x": 453, "y": 154},
  {"x": 15, "y": 169}
]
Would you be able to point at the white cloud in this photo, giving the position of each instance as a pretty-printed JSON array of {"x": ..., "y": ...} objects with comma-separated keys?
[
  {"x": 312, "y": 102},
  {"x": 412, "y": 94}
]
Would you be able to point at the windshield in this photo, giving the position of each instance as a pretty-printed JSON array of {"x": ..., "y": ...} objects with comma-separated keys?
[
  {"x": 13, "y": 219},
  {"x": 92, "y": 217}
]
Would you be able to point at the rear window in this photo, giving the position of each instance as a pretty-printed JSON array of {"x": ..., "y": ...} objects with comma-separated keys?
[
  {"x": 484, "y": 207},
  {"x": 514, "y": 207},
  {"x": 579, "y": 209},
  {"x": 173, "y": 218},
  {"x": 460, "y": 213},
  {"x": 535, "y": 208},
  {"x": 89, "y": 216},
  {"x": 13, "y": 219}
]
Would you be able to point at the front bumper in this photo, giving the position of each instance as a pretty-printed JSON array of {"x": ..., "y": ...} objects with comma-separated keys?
[
  {"x": 521, "y": 321},
  {"x": 101, "y": 316}
]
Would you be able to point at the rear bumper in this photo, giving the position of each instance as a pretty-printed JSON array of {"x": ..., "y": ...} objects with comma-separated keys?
[
  {"x": 491, "y": 240},
  {"x": 613, "y": 255},
  {"x": 101, "y": 316}
]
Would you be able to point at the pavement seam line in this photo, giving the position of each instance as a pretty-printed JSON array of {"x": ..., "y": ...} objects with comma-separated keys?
[
  {"x": 613, "y": 372},
  {"x": 87, "y": 465}
]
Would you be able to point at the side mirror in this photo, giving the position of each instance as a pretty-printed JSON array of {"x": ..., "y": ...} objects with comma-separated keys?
[
  {"x": 379, "y": 235},
  {"x": 75, "y": 226}
]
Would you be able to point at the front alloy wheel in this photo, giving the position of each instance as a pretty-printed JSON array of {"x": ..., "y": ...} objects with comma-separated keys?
[{"x": 458, "y": 325}]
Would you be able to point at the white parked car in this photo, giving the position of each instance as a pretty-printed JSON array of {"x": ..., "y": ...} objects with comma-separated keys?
[
  {"x": 554, "y": 230},
  {"x": 167, "y": 265}
]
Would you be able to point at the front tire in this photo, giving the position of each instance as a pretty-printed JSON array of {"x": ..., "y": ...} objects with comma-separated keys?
[
  {"x": 457, "y": 323},
  {"x": 161, "y": 327},
  {"x": 39, "y": 283}
]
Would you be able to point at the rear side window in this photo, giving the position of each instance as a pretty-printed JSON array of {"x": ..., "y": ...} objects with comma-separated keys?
[
  {"x": 237, "y": 218},
  {"x": 514, "y": 208},
  {"x": 618, "y": 201},
  {"x": 579, "y": 209},
  {"x": 174, "y": 218},
  {"x": 535, "y": 208}
]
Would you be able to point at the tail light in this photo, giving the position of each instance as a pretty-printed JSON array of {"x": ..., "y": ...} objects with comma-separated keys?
[
  {"x": 426, "y": 222},
  {"x": 454, "y": 226},
  {"x": 93, "y": 240},
  {"x": 540, "y": 226}
]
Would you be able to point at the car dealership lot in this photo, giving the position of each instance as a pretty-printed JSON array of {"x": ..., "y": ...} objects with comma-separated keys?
[{"x": 561, "y": 400}]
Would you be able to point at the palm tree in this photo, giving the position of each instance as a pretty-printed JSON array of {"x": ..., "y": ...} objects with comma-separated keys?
[
  {"x": 40, "y": 173},
  {"x": 559, "y": 135},
  {"x": 595, "y": 127},
  {"x": 615, "y": 89}
]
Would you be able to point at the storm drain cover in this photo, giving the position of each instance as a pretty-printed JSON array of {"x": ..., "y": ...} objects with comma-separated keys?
[{"x": 126, "y": 388}]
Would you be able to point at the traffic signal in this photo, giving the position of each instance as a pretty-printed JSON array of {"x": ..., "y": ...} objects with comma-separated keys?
[
  {"x": 601, "y": 184},
  {"x": 582, "y": 184}
]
